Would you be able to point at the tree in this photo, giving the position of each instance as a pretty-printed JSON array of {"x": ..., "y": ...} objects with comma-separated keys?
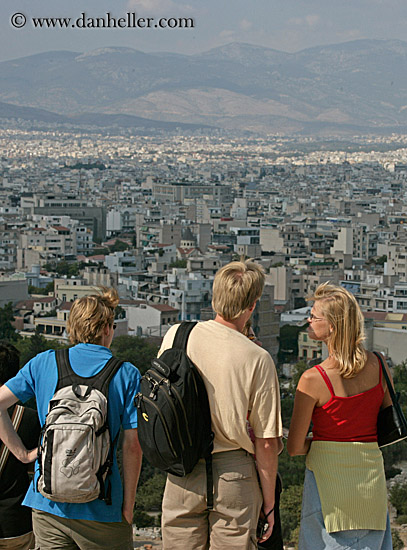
[
  {"x": 298, "y": 370},
  {"x": 141, "y": 519},
  {"x": 135, "y": 350},
  {"x": 292, "y": 469},
  {"x": 150, "y": 494},
  {"x": 288, "y": 342},
  {"x": 398, "y": 498},
  {"x": 119, "y": 246},
  {"x": 7, "y": 331},
  {"x": 178, "y": 263},
  {"x": 30, "y": 347}
]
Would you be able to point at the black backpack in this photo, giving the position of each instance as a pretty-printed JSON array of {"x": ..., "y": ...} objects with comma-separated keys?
[{"x": 174, "y": 420}]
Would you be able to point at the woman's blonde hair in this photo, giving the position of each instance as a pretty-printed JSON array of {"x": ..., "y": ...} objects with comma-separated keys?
[
  {"x": 90, "y": 314},
  {"x": 236, "y": 287},
  {"x": 343, "y": 313}
]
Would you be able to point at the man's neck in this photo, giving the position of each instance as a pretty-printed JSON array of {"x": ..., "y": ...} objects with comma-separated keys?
[{"x": 236, "y": 324}]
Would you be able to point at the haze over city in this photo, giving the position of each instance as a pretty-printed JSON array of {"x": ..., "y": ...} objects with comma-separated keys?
[{"x": 278, "y": 24}]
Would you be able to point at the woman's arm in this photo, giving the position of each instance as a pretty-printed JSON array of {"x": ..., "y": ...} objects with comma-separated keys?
[{"x": 305, "y": 400}]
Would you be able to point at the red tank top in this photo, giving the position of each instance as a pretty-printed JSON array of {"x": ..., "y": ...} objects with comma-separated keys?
[{"x": 351, "y": 418}]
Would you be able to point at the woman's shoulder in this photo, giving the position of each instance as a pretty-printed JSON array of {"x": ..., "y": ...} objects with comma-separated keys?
[{"x": 310, "y": 376}]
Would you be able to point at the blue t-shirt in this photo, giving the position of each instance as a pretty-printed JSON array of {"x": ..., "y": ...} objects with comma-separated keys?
[{"x": 38, "y": 378}]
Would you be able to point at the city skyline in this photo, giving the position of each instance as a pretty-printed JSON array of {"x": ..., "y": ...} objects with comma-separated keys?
[{"x": 279, "y": 25}]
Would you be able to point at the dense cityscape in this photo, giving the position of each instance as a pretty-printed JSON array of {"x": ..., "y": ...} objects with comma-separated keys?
[{"x": 157, "y": 215}]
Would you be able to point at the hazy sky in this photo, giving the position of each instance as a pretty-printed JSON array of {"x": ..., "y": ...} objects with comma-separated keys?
[{"x": 287, "y": 25}]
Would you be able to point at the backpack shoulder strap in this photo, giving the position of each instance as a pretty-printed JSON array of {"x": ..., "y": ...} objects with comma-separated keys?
[
  {"x": 100, "y": 381},
  {"x": 103, "y": 378},
  {"x": 182, "y": 334},
  {"x": 66, "y": 375}
]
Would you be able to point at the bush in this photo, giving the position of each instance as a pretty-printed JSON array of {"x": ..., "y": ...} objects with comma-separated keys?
[
  {"x": 397, "y": 542},
  {"x": 398, "y": 498},
  {"x": 402, "y": 520},
  {"x": 141, "y": 519},
  {"x": 290, "y": 512}
]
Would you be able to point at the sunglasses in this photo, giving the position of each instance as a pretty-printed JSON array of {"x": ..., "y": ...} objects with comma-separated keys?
[{"x": 312, "y": 318}]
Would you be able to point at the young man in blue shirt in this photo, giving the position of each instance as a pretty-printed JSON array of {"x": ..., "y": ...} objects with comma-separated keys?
[{"x": 91, "y": 525}]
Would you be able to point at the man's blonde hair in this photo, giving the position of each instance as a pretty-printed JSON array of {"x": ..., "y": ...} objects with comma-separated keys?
[
  {"x": 90, "y": 314},
  {"x": 343, "y": 313},
  {"x": 236, "y": 287}
]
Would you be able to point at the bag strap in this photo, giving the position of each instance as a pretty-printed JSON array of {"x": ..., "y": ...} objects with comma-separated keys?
[
  {"x": 100, "y": 381},
  {"x": 386, "y": 376},
  {"x": 182, "y": 334},
  {"x": 16, "y": 418}
]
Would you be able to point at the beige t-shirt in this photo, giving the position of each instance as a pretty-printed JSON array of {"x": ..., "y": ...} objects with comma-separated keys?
[{"x": 239, "y": 377}]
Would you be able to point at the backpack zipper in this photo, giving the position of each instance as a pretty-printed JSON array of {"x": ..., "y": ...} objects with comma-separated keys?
[
  {"x": 178, "y": 397},
  {"x": 151, "y": 402},
  {"x": 161, "y": 380}
]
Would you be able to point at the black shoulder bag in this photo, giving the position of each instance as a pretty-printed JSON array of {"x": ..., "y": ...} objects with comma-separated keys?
[{"x": 391, "y": 422}]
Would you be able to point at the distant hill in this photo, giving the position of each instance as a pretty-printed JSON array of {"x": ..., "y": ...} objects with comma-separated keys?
[
  {"x": 355, "y": 86},
  {"x": 10, "y": 111}
]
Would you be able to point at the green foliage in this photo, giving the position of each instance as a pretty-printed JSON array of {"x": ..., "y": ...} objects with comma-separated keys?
[
  {"x": 99, "y": 251},
  {"x": 287, "y": 405},
  {"x": 398, "y": 498},
  {"x": 179, "y": 263},
  {"x": 63, "y": 268},
  {"x": 290, "y": 511},
  {"x": 119, "y": 246},
  {"x": 150, "y": 494},
  {"x": 401, "y": 520},
  {"x": 35, "y": 290},
  {"x": 292, "y": 469},
  {"x": 7, "y": 331},
  {"x": 400, "y": 382},
  {"x": 397, "y": 542},
  {"x": 135, "y": 350},
  {"x": 288, "y": 339},
  {"x": 30, "y": 347},
  {"x": 141, "y": 519},
  {"x": 119, "y": 313},
  {"x": 298, "y": 370},
  {"x": 381, "y": 260}
]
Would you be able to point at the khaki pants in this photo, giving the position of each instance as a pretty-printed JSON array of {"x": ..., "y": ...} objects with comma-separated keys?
[
  {"x": 23, "y": 542},
  {"x": 237, "y": 501},
  {"x": 55, "y": 533}
]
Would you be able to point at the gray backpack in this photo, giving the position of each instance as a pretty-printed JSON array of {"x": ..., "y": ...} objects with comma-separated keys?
[{"x": 75, "y": 454}]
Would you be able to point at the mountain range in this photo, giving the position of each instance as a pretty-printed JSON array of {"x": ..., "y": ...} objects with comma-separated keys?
[{"x": 358, "y": 86}]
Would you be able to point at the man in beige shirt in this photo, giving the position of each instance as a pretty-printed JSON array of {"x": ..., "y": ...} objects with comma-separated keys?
[{"x": 241, "y": 381}]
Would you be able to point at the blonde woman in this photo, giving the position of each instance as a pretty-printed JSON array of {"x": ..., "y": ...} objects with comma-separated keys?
[{"x": 344, "y": 500}]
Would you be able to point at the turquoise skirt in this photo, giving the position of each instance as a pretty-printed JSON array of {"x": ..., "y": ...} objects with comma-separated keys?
[{"x": 314, "y": 536}]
